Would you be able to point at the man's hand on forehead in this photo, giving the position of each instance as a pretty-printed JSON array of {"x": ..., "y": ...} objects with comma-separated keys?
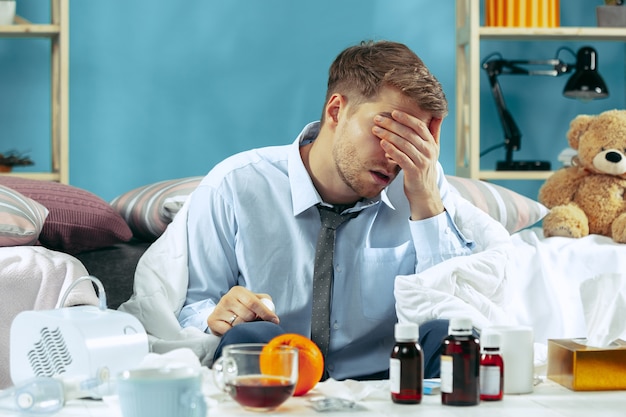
[{"x": 389, "y": 115}]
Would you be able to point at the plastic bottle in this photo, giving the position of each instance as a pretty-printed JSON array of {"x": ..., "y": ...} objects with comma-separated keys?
[
  {"x": 406, "y": 365},
  {"x": 460, "y": 365},
  {"x": 491, "y": 368},
  {"x": 36, "y": 396}
]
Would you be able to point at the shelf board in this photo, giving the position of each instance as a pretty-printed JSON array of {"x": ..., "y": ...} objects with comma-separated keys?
[
  {"x": 45, "y": 176},
  {"x": 558, "y": 33},
  {"x": 514, "y": 175},
  {"x": 29, "y": 31}
]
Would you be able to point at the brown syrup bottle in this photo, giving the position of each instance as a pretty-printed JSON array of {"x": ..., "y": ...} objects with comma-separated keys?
[
  {"x": 406, "y": 365},
  {"x": 460, "y": 365}
]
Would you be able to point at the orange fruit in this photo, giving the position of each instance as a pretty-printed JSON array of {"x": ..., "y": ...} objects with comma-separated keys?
[{"x": 310, "y": 360}]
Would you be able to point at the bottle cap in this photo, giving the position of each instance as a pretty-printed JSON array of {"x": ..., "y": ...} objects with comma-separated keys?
[
  {"x": 490, "y": 340},
  {"x": 407, "y": 332},
  {"x": 460, "y": 326}
]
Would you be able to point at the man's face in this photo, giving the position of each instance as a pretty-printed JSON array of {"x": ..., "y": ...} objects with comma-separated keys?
[{"x": 360, "y": 160}]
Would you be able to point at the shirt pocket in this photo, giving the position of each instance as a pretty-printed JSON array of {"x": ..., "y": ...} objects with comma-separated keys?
[{"x": 380, "y": 268}]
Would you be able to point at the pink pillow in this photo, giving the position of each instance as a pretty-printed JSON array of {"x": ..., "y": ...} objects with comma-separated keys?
[{"x": 78, "y": 220}]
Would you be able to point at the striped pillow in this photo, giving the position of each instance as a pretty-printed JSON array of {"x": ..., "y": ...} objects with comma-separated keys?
[
  {"x": 514, "y": 211},
  {"x": 21, "y": 218},
  {"x": 150, "y": 208}
]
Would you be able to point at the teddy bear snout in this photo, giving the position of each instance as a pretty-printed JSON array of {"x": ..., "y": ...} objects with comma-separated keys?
[
  {"x": 610, "y": 162},
  {"x": 613, "y": 157}
]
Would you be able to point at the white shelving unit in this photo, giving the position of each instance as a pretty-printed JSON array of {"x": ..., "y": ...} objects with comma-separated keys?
[
  {"x": 469, "y": 34},
  {"x": 58, "y": 33}
]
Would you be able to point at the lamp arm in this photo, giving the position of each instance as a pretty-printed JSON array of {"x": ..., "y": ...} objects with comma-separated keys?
[
  {"x": 556, "y": 67},
  {"x": 496, "y": 67},
  {"x": 512, "y": 134}
]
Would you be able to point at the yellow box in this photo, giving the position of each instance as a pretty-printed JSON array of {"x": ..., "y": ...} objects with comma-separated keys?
[
  {"x": 522, "y": 13},
  {"x": 583, "y": 368}
]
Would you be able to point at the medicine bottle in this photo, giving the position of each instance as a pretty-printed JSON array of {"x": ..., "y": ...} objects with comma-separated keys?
[
  {"x": 460, "y": 365},
  {"x": 491, "y": 368},
  {"x": 406, "y": 365}
]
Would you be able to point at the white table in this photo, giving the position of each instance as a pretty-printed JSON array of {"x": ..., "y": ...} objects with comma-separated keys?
[{"x": 548, "y": 400}]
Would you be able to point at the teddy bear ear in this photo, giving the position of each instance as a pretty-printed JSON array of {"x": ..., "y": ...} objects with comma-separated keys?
[{"x": 577, "y": 127}]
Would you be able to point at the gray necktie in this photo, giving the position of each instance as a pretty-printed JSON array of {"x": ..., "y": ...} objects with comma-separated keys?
[{"x": 323, "y": 275}]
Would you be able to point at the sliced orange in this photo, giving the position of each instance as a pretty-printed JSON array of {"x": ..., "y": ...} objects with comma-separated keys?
[{"x": 310, "y": 360}]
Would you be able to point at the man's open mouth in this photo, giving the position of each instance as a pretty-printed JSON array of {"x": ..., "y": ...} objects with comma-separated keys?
[{"x": 381, "y": 177}]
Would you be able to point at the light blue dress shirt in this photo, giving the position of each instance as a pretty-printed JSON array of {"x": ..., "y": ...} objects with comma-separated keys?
[{"x": 253, "y": 222}]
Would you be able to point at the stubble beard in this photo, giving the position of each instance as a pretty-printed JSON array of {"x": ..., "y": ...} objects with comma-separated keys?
[{"x": 349, "y": 168}]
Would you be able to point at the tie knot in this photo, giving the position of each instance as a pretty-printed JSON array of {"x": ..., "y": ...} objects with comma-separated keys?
[{"x": 331, "y": 219}]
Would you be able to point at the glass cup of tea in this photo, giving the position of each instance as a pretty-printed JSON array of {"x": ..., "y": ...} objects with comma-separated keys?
[{"x": 258, "y": 379}]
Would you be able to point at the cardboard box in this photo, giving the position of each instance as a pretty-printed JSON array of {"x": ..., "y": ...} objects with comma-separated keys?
[{"x": 583, "y": 368}]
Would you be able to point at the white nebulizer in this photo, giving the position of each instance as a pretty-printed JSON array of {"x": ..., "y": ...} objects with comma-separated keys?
[{"x": 67, "y": 353}]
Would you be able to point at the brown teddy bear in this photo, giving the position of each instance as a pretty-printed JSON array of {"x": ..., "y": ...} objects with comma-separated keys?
[{"x": 588, "y": 197}]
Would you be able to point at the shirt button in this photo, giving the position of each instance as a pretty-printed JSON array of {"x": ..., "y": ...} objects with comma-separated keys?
[
  {"x": 335, "y": 326},
  {"x": 448, "y": 230},
  {"x": 331, "y": 367}
]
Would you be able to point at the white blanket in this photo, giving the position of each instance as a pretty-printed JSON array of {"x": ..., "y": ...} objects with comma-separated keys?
[
  {"x": 36, "y": 278},
  {"x": 546, "y": 275},
  {"x": 473, "y": 286},
  {"x": 159, "y": 292},
  {"x": 543, "y": 278}
]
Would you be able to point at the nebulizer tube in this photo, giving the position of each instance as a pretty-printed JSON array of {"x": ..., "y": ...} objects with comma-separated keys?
[{"x": 102, "y": 298}]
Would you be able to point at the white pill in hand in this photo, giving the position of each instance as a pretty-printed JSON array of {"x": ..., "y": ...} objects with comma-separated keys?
[{"x": 268, "y": 303}]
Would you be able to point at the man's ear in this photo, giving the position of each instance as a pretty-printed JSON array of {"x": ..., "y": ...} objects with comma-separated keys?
[{"x": 334, "y": 107}]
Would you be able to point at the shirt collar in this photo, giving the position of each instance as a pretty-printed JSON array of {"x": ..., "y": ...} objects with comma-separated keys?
[{"x": 303, "y": 192}]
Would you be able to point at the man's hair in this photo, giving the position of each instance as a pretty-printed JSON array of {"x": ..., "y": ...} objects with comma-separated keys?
[{"x": 359, "y": 72}]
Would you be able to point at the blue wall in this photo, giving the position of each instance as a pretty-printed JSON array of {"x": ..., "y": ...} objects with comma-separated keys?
[{"x": 162, "y": 90}]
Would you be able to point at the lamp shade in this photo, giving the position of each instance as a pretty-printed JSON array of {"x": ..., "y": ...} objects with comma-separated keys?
[{"x": 586, "y": 83}]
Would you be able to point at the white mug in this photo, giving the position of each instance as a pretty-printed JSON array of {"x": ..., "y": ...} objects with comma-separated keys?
[
  {"x": 161, "y": 392},
  {"x": 517, "y": 350}
]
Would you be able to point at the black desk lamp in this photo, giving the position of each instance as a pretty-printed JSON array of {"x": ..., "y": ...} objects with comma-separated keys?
[{"x": 585, "y": 84}]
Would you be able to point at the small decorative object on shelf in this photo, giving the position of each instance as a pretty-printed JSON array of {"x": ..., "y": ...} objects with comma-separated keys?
[
  {"x": 10, "y": 159},
  {"x": 7, "y": 12},
  {"x": 611, "y": 15}
]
